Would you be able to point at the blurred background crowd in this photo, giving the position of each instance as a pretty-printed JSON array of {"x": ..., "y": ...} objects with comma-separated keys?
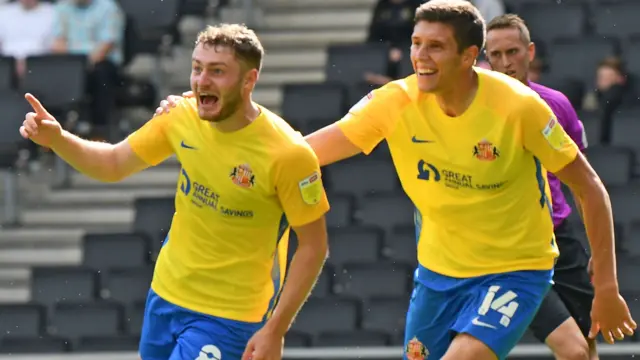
[{"x": 76, "y": 256}]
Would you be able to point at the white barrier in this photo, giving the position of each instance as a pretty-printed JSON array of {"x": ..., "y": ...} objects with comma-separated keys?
[{"x": 521, "y": 351}]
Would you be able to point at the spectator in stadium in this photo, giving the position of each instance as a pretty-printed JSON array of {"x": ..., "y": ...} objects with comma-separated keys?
[
  {"x": 94, "y": 28},
  {"x": 19, "y": 41},
  {"x": 392, "y": 23},
  {"x": 489, "y": 8},
  {"x": 612, "y": 91}
]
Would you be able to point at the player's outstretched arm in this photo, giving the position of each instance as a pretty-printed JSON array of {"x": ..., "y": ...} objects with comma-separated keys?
[
  {"x": 368, "y": 122},
  {"x": 101, "y": 161},
  {"x": 546, "y": 139},
  {"x": 331, "y": 145}
]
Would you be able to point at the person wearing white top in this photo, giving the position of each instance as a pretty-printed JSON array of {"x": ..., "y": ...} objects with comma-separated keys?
[{"x": 19, "y": 41}]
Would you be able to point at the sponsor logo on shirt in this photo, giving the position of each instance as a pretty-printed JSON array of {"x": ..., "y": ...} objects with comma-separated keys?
[
  {"x": 203, "y": 197},
  {"x": 452, "y": 179}
]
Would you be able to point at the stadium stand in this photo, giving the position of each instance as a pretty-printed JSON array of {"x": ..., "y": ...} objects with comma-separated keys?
[{"x": 74, "y": 273}]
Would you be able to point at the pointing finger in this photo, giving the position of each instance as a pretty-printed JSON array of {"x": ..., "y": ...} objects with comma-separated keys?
[{"x": 36, "y": 105}]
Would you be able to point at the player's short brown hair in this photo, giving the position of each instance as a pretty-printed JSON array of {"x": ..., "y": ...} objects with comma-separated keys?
[
  {"x": 241, "y": 39},
  {"x": 465, "y": 19},
  {"x": 511, "y": 21}
]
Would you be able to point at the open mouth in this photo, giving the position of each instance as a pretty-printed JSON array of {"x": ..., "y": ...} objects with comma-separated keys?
[
  {"x": 426, "y": 72},
  {"x": 511, "y": 73},
  {"x": 207, "y": 99}
]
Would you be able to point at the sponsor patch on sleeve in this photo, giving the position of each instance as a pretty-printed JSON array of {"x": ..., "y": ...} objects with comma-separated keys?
[
  {"x": 554, "y": 134},
  {"x": 311, "y": 189},
  {"x": 362, "y": 103}
]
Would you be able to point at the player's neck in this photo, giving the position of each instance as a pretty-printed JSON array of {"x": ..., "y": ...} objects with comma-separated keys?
[
  {"x": 240, "y": 119},
  {"x": 455, "y": 101}
]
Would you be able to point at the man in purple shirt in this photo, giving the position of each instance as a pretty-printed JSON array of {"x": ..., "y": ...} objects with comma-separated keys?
[{"x": 563, "y": 320}]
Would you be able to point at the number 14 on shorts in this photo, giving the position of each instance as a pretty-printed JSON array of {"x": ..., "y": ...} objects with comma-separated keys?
[{"x": 505, "y": 304}]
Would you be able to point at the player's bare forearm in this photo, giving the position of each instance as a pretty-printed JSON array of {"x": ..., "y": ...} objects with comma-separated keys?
[
  {"x": 592, "y": 197},
  {"x": 303, "y": 273},
  {"x": 331, "y": 145},
  {"x": 97, "y": 160}
]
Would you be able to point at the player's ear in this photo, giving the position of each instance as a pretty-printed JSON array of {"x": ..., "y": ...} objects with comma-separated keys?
[
  {"x": 532, "y": 51},
  {"x": 251, "y": 78},
  {"x": 470, "y": 55}
]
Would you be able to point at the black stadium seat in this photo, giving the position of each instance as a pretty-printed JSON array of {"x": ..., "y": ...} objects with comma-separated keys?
[
  {"x": 22, "y": 320},
  {"x": 548, "y": 22},
  {"x": 578, "y": 58},
  {"x": 352, "y": 339},
  {"x": 153, "y": 218},
  {"x": 354, "y": 244},
  {"x": 53, "y": 285},
  {"x": 327, "y": 315},
  {"x": 154, "y": 22},
  {"x": 14, "y": 108},
  {"x": 616, "y": 18},
  {"x": 386, "y": 211},
  {"x": 127, "y": 285},
  {"x": 386, "y": 314},
  {"x": 59, "y": 81},
  {"x": 107, "y": 343},
  {"x": 121, "y": 250},
  {"x": 7, "y": 74},
  {"x": 361, "y": 176},
  {"x": 315, "y": 105},
  {"x": 372, "y": 280},
  {"x": 34, "y": 345},
  {"x": 348, "y": 64},
  {"x": 613, "y": 164},
  {"x": 75, "y": 320}
]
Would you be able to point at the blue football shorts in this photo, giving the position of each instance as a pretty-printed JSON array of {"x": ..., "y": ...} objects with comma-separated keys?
[
  {"x": 170, "y": 332},
  {"x": 495, "y": 309}
]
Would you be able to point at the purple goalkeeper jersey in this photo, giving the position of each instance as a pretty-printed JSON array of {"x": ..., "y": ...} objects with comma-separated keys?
[{"x": 568, "y": 118}]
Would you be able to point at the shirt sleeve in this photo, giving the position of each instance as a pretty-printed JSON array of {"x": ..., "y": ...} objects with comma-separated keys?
[
  {"x": 298, "y": 183},
  {"x": 370, "y": 120},
  {"x": 543, "y": 135},
  {"x": 58, "y": 30},
  {"x": 151, "y": 142},
  {"x": 571, "y": 123},
  {"x": 112, "y": 26}
]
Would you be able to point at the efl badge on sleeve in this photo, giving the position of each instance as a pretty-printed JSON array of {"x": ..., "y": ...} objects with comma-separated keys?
[
  {"x": 311, "y": 189},
  {"x": 415, "y": 350},
  {"x": 554, "y": 134},
  {"x": 362, "y": 103}
]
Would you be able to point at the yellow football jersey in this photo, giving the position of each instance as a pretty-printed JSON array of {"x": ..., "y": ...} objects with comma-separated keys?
[
  {"x": 478, "y": 180},
  {"x": 237, "y": 195}
]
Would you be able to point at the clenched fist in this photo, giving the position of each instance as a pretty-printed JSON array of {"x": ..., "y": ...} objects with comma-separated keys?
[{"x": 40, "y": 126}]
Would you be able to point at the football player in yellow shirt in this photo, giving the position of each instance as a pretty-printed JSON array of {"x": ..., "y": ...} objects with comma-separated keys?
[
  {"x": 471, "y": 148},
  {"x": 246, "y": 178}
]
